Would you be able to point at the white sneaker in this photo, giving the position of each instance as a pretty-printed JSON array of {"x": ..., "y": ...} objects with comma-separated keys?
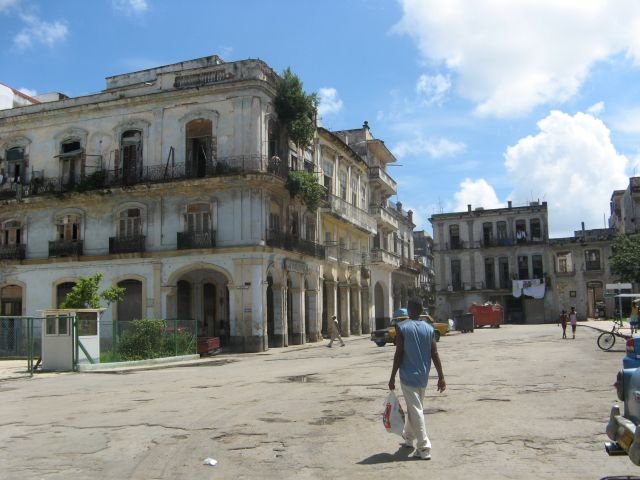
[
  {"x": 422, "y": 453},
  {"x": 406, "y": 443}
]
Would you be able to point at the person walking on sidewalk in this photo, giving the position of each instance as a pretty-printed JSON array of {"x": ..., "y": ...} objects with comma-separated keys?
[
  {"x": 335, "y": 332},
  {"x": 416, "y": 348},
  {"x": 573, "y": 320}
]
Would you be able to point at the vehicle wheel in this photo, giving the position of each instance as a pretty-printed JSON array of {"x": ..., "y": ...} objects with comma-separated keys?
[
  {"x": 437, "y": 335},
  {"x": 606, "y": 340},
  {"x": 380, "y": 343}
]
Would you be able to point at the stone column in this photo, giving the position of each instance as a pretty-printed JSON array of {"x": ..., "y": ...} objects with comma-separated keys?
[
  {"x": 297, "y": 335},
  {"x": 314, "y": 317},
  {"x": 367, "y": 317},
  {"x": 356, "y": 317},
  {"x": 331, "y": 289},
  {"x": 345, "y": 323},
  {"x": 279, "y": 317}
]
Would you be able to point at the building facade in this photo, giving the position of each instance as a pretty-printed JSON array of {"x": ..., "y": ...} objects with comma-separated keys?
[
  {"x": 624, "y": 217},
  {"x": 423, "y": 248},
  {"x": 172, "y": 182}
]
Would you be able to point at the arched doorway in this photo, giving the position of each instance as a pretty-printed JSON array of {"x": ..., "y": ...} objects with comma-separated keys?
[
  {"x": 307, "y": 316},
  {"x": 595, "y": 294},
  {"x": 131, "y": 153},
  {"x": 11, "y": 329},
  {"x": 325, "y": 329},
  {"x": 130, "y": 307},
  {"x": 61, "y": 292},
  {"x": 198, "y": 148}
]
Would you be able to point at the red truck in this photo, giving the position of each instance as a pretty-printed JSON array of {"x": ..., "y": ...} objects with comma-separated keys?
[{"x": 491, "y": 314}]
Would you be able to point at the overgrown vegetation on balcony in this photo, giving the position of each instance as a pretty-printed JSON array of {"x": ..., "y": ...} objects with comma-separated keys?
[
  {"x": 305, "y": 185},
  {"x": 296, "y": 109}
]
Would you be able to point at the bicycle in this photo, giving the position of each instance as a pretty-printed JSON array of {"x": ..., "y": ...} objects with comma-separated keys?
[{"x": 606, "y": 340}]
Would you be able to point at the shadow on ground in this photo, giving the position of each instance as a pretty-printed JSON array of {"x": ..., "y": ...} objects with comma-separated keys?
[{"x": 401, "y": 455}]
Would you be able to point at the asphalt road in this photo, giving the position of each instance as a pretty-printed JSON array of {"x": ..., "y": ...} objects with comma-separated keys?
[{"x": 521, "y": 403}]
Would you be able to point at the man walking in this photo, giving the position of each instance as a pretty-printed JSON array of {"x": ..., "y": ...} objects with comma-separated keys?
[
  {"x": 335, "y": 332},
  {"x": 415, "y": 349}
]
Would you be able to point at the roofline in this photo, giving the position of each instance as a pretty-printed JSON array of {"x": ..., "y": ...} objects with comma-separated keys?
[{"x": 20, "y": 94}]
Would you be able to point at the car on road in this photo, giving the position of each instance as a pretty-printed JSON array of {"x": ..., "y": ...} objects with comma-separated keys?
[
  {"x": 632, "y": 358},
  {"x": 386, "y": 335},
  {"x": 622, "y": 428}
]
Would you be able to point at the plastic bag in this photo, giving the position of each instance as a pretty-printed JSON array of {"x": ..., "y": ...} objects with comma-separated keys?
[{"x": 393, "y": 415}]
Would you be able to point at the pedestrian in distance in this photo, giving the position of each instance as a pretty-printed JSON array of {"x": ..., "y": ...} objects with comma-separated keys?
[
  {"x": 563, "y": 323},
  {"x": 634, "y": 319},
  {"x": 335, "y": 332},
  {"x": 416, "y": 348},
  {"x": 573, "y": 320}
]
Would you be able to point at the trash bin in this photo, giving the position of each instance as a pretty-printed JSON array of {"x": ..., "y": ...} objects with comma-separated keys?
[{"x": 464, "y": 322}]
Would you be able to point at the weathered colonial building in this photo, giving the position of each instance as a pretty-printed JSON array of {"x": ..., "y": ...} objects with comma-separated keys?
[
  {"x": 423, "y": 248},
  {"x": 624, "y": 217},
  {"x": 172, "y": 182},
  {"x": 493, "y": 255}
]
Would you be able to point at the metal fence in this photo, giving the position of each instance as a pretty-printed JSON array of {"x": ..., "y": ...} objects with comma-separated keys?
[
  {"x": 21, "y": 339},
  {"x": 147, "y": 339}
]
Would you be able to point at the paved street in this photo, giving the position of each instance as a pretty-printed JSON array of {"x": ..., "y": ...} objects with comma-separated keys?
[{"x": 521, "y": 404}]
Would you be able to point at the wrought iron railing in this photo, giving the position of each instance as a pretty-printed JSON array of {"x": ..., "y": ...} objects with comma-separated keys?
[
  {"x": 131, "y": 244},
  {"x": 295, "y": 244},
  {"x": 12, "y": 252},
  {"x": 166, "y": 172},
  {"x": 63, "y": 248},
  {"x": 188, "y": 240}
]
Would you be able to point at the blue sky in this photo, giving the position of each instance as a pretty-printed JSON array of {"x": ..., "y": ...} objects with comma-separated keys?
[{"x": 481, "y": 101}]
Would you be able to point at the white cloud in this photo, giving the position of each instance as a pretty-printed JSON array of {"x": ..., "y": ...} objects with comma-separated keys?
[
  {"x": 435, "y": 148},
  {"x": 510, "y": 57},
  {"x": 330, "y": 101},
  {"x": 131, "y": 7},
  {"x": 627, "y": 121},
  {"x": 7, "y": 4},
  {"x": 572, "y": 164},
  {"x": 477, "y": 193},
  {"x": 432, "y": 88},
  {"x": 37, "y": 31},
  {"x": 596, "y": 109}
]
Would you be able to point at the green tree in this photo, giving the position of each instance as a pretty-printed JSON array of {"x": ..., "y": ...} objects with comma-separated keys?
[
  {"x": 305, "y": 185},
  {"x": 625, "y": 260},
  {"x": 296, "y": 109},
  {"x": 85, "y": 294}
]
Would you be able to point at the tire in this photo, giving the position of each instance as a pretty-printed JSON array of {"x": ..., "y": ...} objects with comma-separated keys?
[
  {"x": 606, "y": 341},
  {"x": 437, "y": 335},
  {"x": 380, "y": 343}
]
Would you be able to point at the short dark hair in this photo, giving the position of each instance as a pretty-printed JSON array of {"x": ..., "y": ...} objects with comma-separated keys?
[{"x": 414, "y": 303}]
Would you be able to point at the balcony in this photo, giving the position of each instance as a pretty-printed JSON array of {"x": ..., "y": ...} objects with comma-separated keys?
[
  {"x": 455, "y": 245},
  {"x": 352, "y": 214},
  {"x": 188, "y": 240},
  {"x": 384, "y": 217},
  {"x": 384, "y": 257},
  {"x": 410, "y": 265},
  {"x": 337, "y": 253},
  {"x": 294, "y": 243},
  {"x": 65, "y": 248},
  {"x": 378, "y": 177},
  {"x": 132, "y": 244},
  {"x": 12, "y": 252},
  {"x": 162, "y": 172}
]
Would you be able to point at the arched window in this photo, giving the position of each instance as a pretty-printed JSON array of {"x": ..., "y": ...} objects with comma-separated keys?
[
  {"x": 15, "y": 164},
  {"x": 68, "y": 228},
  {"x": 11, "y": 233},
  {"x": 130, "y": 223},
  {"x": 61, "y": 292},
  {"x": 184, "y": 300}
]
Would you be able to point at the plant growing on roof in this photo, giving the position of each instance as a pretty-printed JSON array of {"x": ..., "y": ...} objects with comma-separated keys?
[
  {"x": 84, "y": 294},
  {"x": 305, "y": 185},
  {"x": 296, "y": 109}
]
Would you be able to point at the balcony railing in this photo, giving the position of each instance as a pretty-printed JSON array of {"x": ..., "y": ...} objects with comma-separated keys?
[
  {"x": 295, "y": 244},
  {"x": 132, "y": 244},
  {"x": 377, "y": 173},
  {"x": 379, "y": 255},
  {"x": 383, "y": 215},
  {"x": 410, "y": 264},
  {"x": 187, "y": 240},
  {"x": 12, "y": 252},
  {"x": 99, "y": 179},
  {"x": 351, "y": 213},
  {"x": 63, "y": 248}
]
